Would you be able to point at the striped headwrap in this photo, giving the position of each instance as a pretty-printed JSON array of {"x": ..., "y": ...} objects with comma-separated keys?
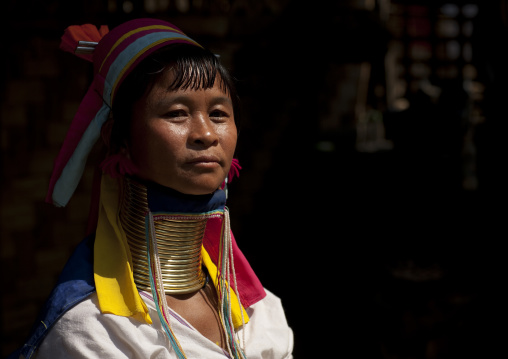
[{"x": 114, "y": 55}]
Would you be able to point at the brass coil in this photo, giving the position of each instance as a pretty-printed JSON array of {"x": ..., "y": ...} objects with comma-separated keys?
[{"x": 178, "y": 244}]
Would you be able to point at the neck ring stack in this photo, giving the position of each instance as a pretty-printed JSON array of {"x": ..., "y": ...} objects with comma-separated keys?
[{"x": 179, "y": 240}]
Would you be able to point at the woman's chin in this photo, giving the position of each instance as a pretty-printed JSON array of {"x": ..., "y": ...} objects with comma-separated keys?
[
  {"x": 192, "y": 188},
  {"x": 194, "y": 185}
]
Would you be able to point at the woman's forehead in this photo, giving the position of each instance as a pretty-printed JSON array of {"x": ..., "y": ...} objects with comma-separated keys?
[
  {"x": 169, "y": 83},
  {"x": 164, "y": 95}
]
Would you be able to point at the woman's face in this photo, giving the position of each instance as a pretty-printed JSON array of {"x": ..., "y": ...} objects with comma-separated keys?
[{"x": 184, "y": 140}]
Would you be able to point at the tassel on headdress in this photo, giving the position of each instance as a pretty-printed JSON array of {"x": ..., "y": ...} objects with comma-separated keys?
[{"x": 78, "y": 37}]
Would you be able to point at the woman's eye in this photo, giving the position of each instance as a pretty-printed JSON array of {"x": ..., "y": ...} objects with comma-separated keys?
[
  {"x": 175, "y": 114},
  {"x": 218, "y": 115}
]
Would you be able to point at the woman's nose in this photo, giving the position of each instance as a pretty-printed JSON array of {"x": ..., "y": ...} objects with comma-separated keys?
[{"x": 203, "y": 132}]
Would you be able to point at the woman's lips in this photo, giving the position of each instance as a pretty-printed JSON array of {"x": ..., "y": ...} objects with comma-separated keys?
[{"x": 205, "y": 161}]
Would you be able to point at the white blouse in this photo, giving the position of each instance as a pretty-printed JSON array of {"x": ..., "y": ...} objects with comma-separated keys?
[{"x": 84, "y": 332}]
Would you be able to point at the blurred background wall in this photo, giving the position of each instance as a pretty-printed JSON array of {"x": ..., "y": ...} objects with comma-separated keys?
[{"x": 372, "y": 193}]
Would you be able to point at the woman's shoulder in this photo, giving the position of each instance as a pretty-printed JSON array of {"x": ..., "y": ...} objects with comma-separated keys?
[
  {"x": 85, "y": 332},
  {"x": 269, "y": 306},
  {"x": 268, "y": 331}
]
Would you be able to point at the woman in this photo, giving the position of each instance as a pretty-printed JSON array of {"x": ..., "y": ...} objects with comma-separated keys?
[{"x": 160, "y": 275}]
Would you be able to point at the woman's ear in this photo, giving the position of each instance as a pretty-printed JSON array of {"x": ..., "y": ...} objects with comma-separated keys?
[{"x": 118, "y": 160}]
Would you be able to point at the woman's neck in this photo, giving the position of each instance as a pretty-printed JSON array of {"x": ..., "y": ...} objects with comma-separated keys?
[{"x": 179, "y": 221}]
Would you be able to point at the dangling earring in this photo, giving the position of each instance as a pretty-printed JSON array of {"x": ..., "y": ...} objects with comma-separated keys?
[
  {"x": 225, "y": 187},
  {"x": 234, "y": 171}
]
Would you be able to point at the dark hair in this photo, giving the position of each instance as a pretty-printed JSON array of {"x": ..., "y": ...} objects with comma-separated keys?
[{"x": 194, "y": 68}]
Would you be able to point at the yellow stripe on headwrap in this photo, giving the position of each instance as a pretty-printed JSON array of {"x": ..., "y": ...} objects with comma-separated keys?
[{"x": 128, "y": 34}]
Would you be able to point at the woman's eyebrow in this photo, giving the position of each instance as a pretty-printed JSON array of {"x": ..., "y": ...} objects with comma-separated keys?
[
  {"x": 222, "y": 100},
  {"x": 165, "y": 102}
]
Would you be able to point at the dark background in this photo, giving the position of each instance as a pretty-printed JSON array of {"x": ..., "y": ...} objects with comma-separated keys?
[{"x": 373, "y": 190}]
